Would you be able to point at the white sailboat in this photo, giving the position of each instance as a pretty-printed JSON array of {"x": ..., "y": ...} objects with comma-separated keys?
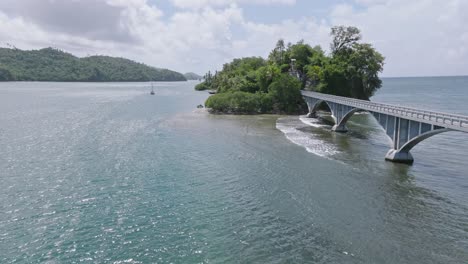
[{"x": 152, "y": 89}]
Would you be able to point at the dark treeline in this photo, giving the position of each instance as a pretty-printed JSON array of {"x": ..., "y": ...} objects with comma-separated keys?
[
  {"x": 54, "y": 65},
  {"x": 272, "y": 85}
]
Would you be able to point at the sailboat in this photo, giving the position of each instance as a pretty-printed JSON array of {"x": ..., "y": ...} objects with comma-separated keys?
[{"x": 152, "y": 89}]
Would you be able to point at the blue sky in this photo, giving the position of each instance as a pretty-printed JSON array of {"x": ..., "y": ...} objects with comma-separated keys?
[{"x": 418, "y": 37}]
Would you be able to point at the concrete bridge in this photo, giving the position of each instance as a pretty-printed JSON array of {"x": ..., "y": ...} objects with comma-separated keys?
[{"x": 405, "y": 126}]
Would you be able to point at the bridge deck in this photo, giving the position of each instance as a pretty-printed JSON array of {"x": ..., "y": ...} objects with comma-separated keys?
[{"x": 452, "y": 121}]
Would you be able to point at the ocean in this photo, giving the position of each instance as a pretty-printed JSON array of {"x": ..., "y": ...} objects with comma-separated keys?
[{"x": 106, "y": 173}]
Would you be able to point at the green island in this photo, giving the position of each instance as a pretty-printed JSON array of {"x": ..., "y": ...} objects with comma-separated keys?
[
  {"x": 55, "y": 65},
  {"x": 255, "y": 85}
]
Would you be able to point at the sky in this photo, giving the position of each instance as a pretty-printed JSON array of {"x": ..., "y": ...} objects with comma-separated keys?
[{"x": 417, "y": 37}]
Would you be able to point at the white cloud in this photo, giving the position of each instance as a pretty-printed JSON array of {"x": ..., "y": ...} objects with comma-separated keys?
[
  {"x": 420, "y": 37},
  {"x": 424, "y": 37},
  {"x": 197, "y": 4},
  {"x": 371, "y": 2},
  {"x": 263, "y": 37}
]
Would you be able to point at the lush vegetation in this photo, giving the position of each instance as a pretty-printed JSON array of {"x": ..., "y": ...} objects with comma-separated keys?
[
  {"x": 192, "y": 76},
  {"x": 272, "y": 85},
  {"x": 252, "y": 85},
  {"x": 54, "y": 65}
]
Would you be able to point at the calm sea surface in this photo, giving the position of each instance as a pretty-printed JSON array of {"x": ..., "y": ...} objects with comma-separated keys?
[{"x": 106, "y": 173}]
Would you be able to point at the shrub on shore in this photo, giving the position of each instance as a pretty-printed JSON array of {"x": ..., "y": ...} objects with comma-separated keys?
[
  {"x": 201, "y": 86},
  {"x": 239, "y": 103}
]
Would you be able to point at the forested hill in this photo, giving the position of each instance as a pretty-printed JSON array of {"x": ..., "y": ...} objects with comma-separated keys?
[
  {"x": 192, "y": 76},
  {"x": 54, "y": 65}
]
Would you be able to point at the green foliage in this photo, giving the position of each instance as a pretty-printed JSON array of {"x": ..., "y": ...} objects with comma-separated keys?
[
  {"x": 239, "y": 75},
  {"x": 344, "y": 38},
  {"x": 266, "y": 75},
  {"x": 318, "y": 57},
  {"x": 364, "y": 65},
  {"x": 353, "y": 68},
  {"x": 314, "y": 73},
  {"x": 278, "y": 55},
  {"x": 5, "y": 74},
  {"x": 240, "y": 102},
  {"x": 301, "y": 53},
  {"x": 201, "y": 86},
  {"x": 55, "y": 65},
  {"x": 333, "y": 80},
  {"x": 253, "y": 85},
  {"x": 245, "y": 86},
  {"x": 353, "y": 72},
  {"x": 286, "y": 94}
]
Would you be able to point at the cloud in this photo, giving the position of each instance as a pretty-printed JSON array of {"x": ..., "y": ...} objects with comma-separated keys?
[
  {"x": 371, "y": 2},
  {"x": 423, "y": 37},
  {"x": 263, "y": 37},
  {"x": 197, "y": 4},
  {"x": 98, "y": 20},
  {"x": 420, "y": 37}
]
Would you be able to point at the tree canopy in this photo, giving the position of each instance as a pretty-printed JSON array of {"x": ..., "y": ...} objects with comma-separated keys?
[
  {"x": 353, "y": 68},
  {"x": 256, "y": 85},
  {"x": 252, "y": 85},
  {"x": 344, "y": 38},
  {"x": 54, "y": 65}
]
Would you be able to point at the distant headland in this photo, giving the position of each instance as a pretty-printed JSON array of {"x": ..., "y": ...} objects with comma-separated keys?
[
  {"x": 51, "y": 64},
  {"x": 192, "y": 76}
]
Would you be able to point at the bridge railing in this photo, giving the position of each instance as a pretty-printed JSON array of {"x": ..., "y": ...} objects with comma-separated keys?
[{"x": 455, "y": 121}]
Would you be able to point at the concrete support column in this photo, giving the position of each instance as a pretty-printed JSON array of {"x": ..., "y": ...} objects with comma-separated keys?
[
  {"x": 339, "y": 128},
  {"x": 312, "y": 114},
  {"x": 399, "y": 156}
]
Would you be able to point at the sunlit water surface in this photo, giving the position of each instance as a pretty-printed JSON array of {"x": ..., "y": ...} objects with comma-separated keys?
[{"x": 106, "y": 173}]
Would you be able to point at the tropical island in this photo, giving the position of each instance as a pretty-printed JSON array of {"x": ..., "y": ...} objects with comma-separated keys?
[
  {"x": 51, "y": 64},
  {"x": 258, "y": 86}
]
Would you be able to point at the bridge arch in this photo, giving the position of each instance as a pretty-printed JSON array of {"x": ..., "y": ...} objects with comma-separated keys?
[
  {"x": 403, "y": 144},
  {"x": 340, "y": 114},
  {"x": 414, "y": 141},
  {"x": 340, "y": 124},
  {"x": 313, "y": 106}
]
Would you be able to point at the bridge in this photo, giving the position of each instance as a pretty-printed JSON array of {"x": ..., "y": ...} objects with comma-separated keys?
[{"x": 405, "y": 126}]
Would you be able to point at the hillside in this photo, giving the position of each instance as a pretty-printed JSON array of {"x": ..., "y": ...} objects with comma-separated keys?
[
  {"x": 192, "y": 76},
  {"x": 54, "y": 65}
]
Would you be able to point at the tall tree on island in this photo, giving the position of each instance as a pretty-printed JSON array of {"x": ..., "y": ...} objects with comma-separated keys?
[
  {"x": 277, "y": 55},
  {"x": 344, "y": 38},
  {"x": 353, "y": 68}
]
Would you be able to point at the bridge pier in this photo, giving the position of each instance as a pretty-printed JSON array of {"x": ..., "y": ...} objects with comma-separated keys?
[
  {"x": 399, "y": 156},
  {"x": 341, "y": 114},
  {"x": 340, "y": 128},
  {"x": 312, "y": 104},
  {"x": 405, "y": 134}
]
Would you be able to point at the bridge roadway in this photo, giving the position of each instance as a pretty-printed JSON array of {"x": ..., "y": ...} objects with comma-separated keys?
[{"x": 404, "y": 125}]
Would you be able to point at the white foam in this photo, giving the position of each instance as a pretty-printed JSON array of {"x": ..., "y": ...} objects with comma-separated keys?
[
  {"x": 291, "y": 128},
  {"x": 311, "y": 121}
]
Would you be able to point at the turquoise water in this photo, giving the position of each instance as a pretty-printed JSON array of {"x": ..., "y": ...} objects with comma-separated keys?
[{"x": 106, "y": 173}]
